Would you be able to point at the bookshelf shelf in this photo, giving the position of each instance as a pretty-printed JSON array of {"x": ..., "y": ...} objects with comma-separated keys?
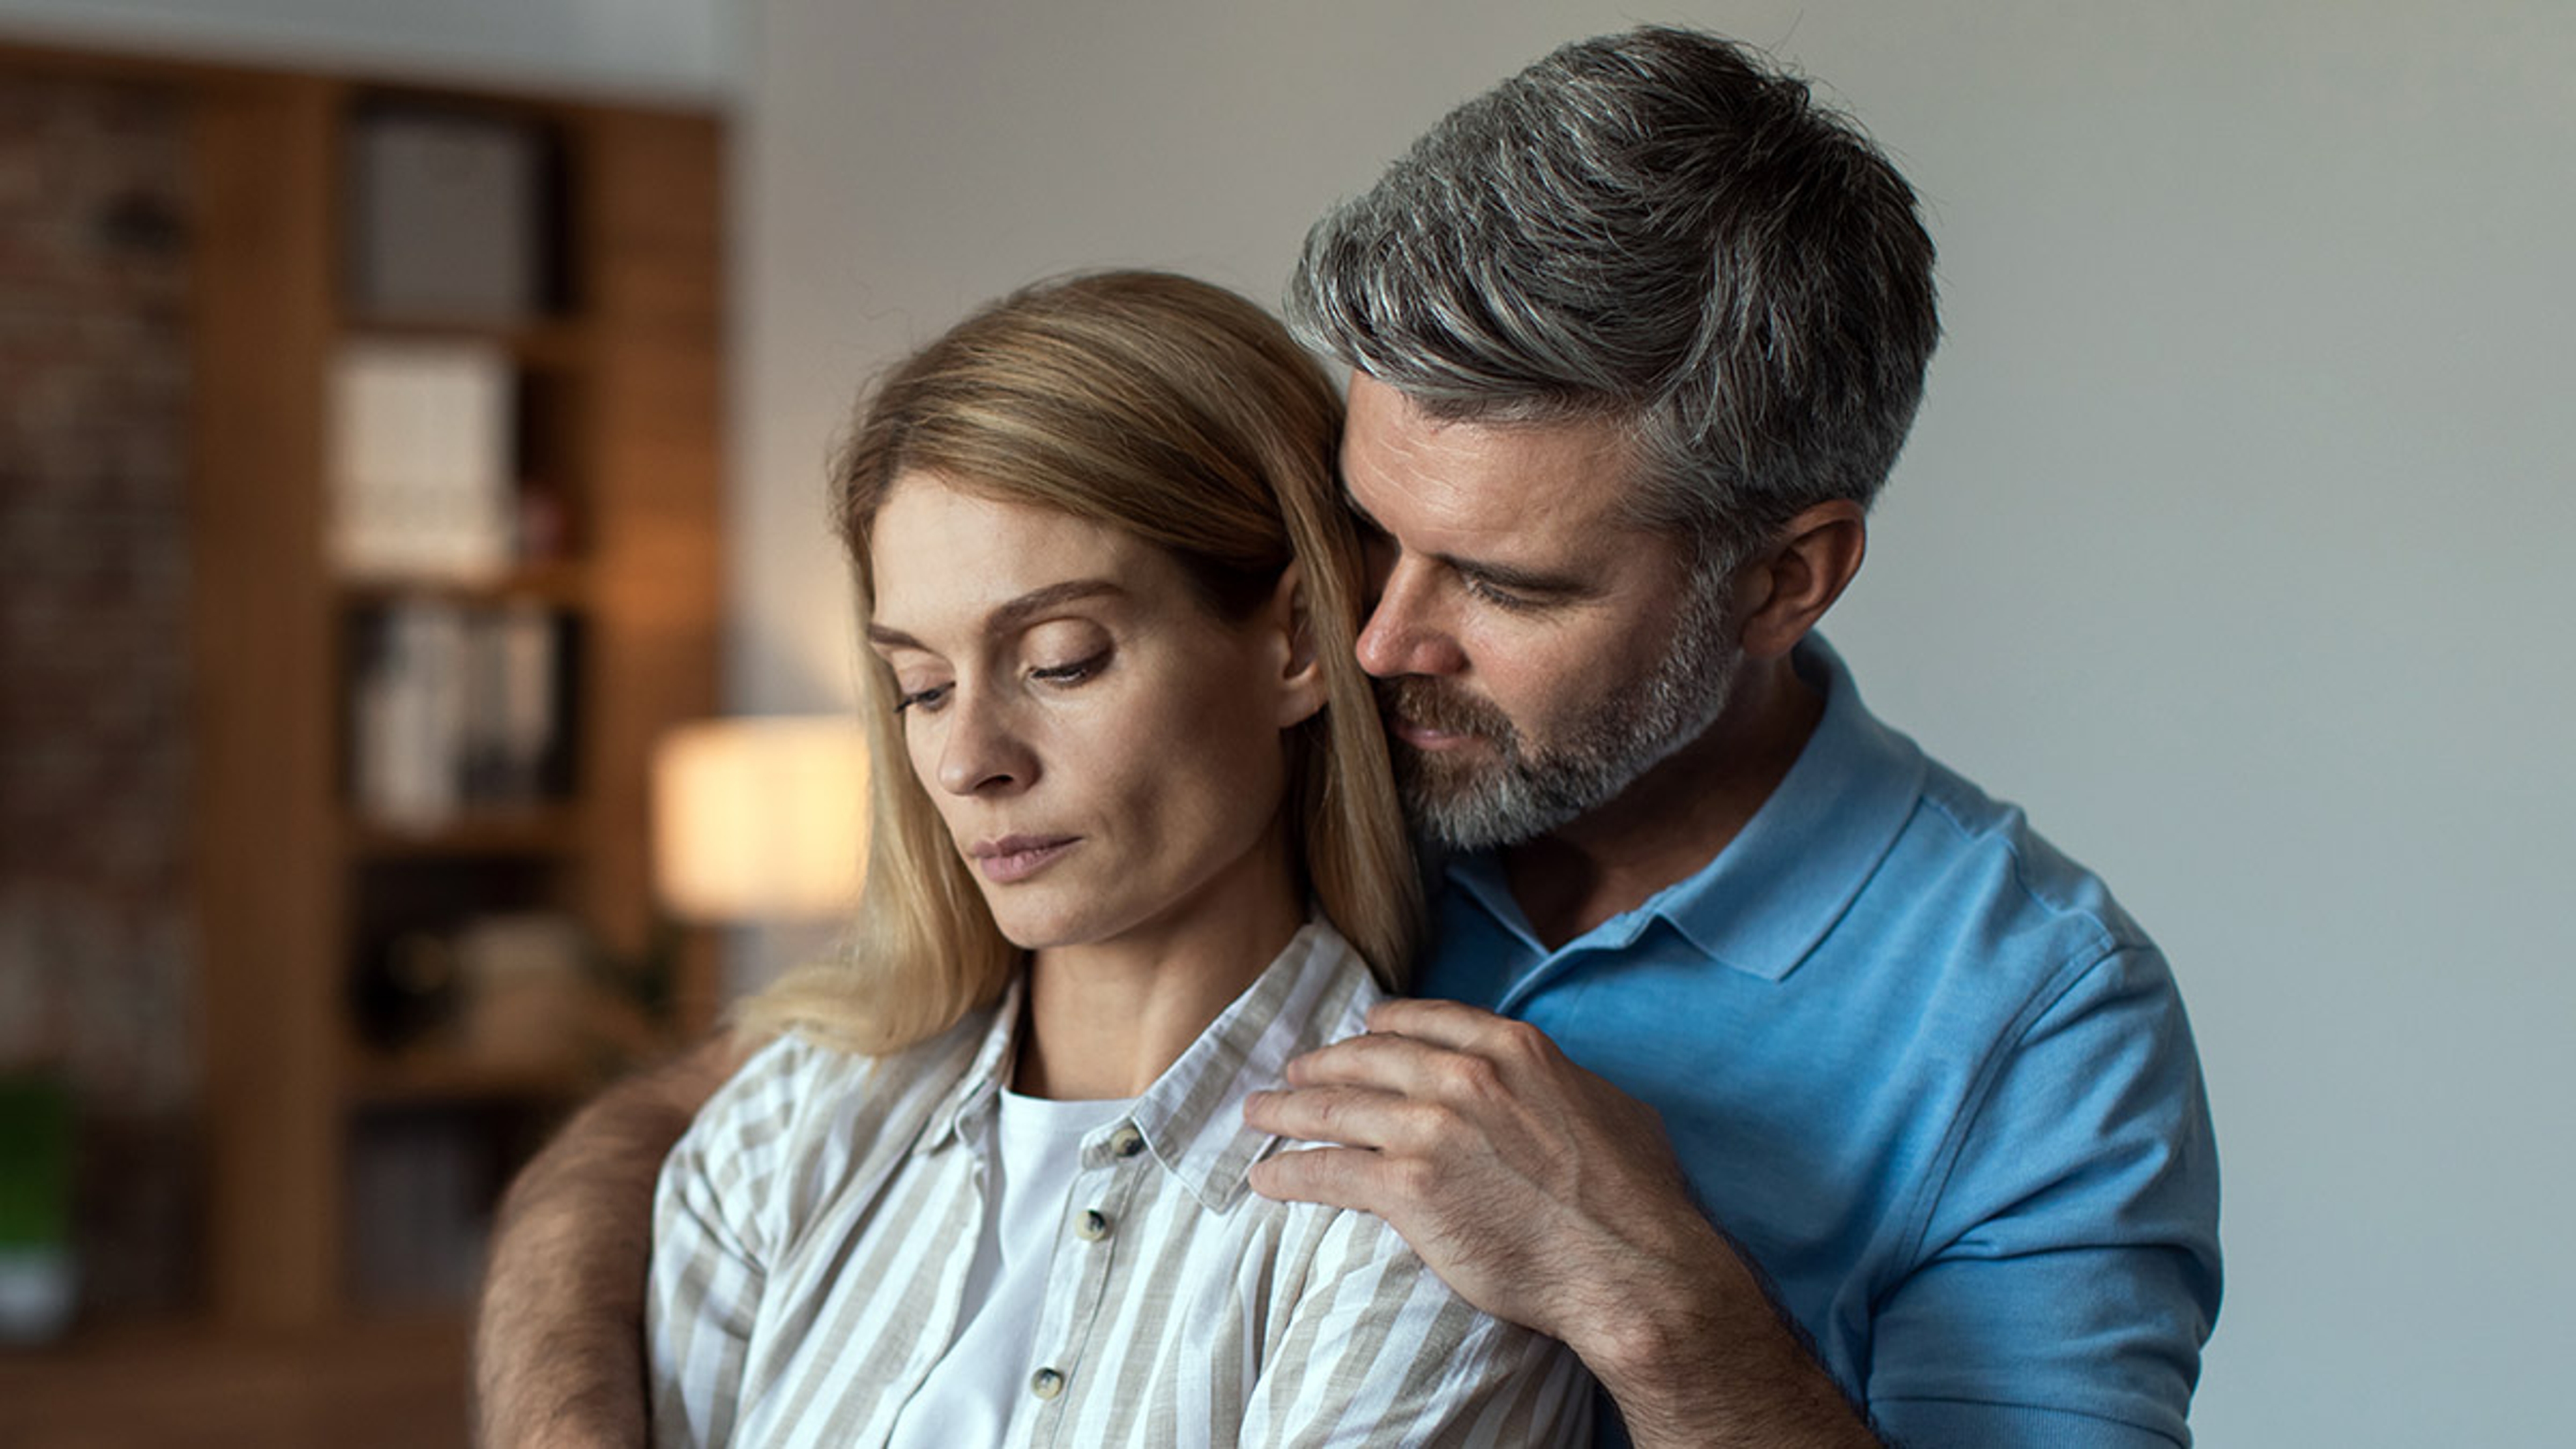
[
  {"x": 450, "y": 1075},
  {"x": 551, "y": 343},
  {"x": 529, "y": 832},
  {"x": 565, "y": 583},
  {"x": 391, "y": 1382}
]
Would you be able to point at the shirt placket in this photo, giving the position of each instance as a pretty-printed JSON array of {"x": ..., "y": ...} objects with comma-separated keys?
[
  {"x": 948, "y": 1288},
  {"x": 1114, "y": 1168}
]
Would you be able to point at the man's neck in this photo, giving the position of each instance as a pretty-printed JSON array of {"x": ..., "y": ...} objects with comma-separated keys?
[{"x": 1673, "y": 819}]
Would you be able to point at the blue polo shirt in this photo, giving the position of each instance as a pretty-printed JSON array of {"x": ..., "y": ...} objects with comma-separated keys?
[{"x": 1926, "y": 1071}]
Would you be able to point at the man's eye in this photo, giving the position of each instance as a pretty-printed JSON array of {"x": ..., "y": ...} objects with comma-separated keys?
[
  {"x": 928, "y": 700},
  {"x": 1487, "y": 591}
]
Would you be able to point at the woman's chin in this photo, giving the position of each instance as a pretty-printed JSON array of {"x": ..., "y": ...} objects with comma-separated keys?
[{"x": 1040, "y": 930}]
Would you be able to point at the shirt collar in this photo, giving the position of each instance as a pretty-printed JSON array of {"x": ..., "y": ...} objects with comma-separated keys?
[
  {"x": 975, "y": 1094},
  {"x": 1191, "y": 1117},
  {"x": 1783, "y": 882},
  {"x": 1786, "y": 879}
]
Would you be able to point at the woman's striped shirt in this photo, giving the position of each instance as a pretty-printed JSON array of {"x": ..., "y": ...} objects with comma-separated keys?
[{"x": 813, "y": 1231}]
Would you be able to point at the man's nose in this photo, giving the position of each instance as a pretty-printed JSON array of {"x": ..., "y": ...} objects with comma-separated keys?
[
  {"x": 981, "y": 752},
  {"x": 1406, "y": 632}
]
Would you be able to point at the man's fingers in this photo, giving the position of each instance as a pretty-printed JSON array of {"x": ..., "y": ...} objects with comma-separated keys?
[
  {"x": 1374, "y": 1062},
  {"x": 1342, "y": 1177},
  {"x": 1457, "y": 1026},
  {"x": 1348, "y": 1116},
  {"x": 1320, "y": 1115},
  {"x": 1470, "y": 1059}
]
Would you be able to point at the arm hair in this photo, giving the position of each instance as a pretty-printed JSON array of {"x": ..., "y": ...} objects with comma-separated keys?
[{"x": 559, "y": 1330}]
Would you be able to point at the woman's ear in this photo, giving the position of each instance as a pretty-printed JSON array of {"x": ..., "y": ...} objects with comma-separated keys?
[{"x": 1300, "y": 673}]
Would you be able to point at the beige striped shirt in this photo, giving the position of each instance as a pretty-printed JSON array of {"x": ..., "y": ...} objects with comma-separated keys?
[{"x": 813, "y": 1231}]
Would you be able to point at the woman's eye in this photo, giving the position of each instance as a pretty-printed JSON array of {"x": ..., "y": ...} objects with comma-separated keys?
[
  {"x": 1073, "y": 673},
  {"x": 927, "y": 700}
]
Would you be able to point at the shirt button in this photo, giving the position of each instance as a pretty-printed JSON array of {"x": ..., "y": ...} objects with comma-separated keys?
[
  {"x": 1127, "y": 1141},
  {"x": 1092, "y": 1226},
  {"x": 1046, "y": 1383}
]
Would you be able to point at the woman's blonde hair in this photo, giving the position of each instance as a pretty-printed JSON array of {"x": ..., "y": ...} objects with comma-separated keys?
[{"x": 1181, "y": 414}]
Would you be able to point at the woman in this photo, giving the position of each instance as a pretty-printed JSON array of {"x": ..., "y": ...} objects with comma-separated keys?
[{"x": 988, "y": 1183}]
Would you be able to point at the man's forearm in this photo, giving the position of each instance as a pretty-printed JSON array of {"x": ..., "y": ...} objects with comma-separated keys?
[
  {"x": 558, "y": 1340},
  {"x": 1709, "y": 1362}
]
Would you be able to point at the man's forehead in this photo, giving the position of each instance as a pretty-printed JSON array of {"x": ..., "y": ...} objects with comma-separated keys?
[{"x": 1403, "y": 464}]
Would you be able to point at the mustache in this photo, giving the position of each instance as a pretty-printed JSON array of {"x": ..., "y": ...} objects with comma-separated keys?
[{"x": 1434, "y": 705}]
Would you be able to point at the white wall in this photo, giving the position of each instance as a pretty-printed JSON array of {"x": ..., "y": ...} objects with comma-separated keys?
[
  {"x": 2230, "y": 542},
  {"x": 674, "y": 49}
]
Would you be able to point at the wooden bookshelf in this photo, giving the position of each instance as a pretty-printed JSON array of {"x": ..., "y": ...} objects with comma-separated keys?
[
  {"x": 389, "y": 1384},
  {"x": 287, "y": 868}
]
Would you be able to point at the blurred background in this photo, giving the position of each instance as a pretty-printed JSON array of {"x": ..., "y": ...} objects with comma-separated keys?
[{"x": 412, "y": 416}]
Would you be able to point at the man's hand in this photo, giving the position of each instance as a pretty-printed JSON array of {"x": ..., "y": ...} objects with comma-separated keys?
[
  {"x": 1516, "y": 1174},
  {"x": 1546, "y": 1196},
  {"x": 558, "y": 1336}
]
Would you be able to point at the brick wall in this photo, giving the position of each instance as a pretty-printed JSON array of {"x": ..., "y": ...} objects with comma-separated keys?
[{"x": 95, "y": 959}]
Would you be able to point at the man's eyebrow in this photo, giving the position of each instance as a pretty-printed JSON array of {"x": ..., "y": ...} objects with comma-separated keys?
[
  {"x": 1012, "y": 615},
  {"x": 1501, "y": 575},
  {"x": 1507, "y": 576}
]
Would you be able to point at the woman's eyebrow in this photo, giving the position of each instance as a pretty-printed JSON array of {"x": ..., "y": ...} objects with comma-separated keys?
[{"x": 1011, "y": 615}]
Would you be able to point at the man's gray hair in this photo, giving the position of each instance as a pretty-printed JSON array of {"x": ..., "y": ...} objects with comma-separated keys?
[{"x": 1655, "y": 227}]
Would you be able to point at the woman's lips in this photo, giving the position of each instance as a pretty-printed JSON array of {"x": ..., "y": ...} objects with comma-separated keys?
[{"x": 1017, "y": 857}]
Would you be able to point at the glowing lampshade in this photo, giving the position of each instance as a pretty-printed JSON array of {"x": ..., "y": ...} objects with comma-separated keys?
[{"x": 760, "y": 819}]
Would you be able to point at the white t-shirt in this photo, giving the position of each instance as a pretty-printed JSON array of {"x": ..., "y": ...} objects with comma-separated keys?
[{"x": 1034, "y": 1153}]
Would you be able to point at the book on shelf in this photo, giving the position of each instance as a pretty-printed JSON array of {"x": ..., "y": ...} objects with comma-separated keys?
[
  {"x": 457, "y": 706},
  {"x": 451, "y": 216},
  {"x": 423, "y": 459}
]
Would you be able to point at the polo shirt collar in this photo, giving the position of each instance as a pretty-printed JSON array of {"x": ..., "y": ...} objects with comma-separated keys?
[{"x": 1784, "y": 881}]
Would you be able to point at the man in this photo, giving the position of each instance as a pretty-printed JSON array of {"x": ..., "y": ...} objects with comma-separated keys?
[{"x": 1887, "y": 1119}]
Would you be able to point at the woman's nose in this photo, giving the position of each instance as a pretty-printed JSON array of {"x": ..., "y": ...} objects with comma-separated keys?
[{"x": 981, "y": 752}]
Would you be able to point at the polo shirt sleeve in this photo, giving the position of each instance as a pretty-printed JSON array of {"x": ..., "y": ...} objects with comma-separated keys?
[
  {"x": 2067, "y": 1270},
  {"x": 710, "y": 1250}
]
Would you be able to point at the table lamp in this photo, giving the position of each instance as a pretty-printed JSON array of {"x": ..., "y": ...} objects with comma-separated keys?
[{"x": 762, "y": 821}]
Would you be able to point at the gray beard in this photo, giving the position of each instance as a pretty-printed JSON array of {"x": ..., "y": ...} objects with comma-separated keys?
[{"x": 1522, "y": 793}]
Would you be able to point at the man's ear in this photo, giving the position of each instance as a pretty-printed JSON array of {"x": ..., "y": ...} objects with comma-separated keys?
[
  {"x": 1783, "y": 590},
  {"x": 1300, "y": 673}
]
